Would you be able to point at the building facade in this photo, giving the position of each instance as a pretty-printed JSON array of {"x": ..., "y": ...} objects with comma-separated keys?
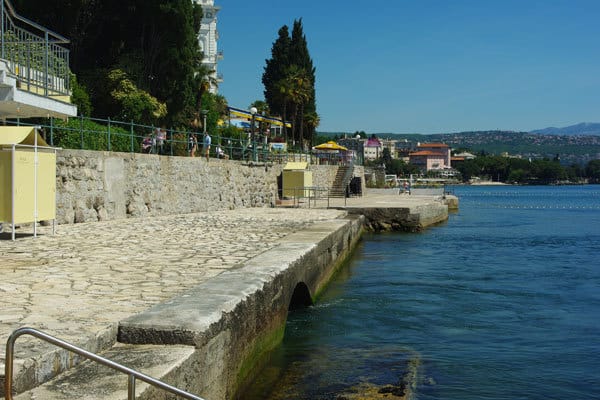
[
  {"x": 373, "y": 149},
  {"x": 431, "y": 156},
  {"x": 207, "y": 40}
]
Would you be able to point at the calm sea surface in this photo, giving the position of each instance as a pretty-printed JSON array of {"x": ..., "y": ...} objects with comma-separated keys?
[{"x": 500, "y": 302}]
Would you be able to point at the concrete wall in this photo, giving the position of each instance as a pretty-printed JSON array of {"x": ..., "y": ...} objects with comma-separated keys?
[{"x": 98, "y": 186}]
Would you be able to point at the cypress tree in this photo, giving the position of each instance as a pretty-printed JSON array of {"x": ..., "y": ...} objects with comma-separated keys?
[
  {"x": 291, "y": 54},
  {"x": 275, "y": 70},
  {"x": 300, "y": 56}
]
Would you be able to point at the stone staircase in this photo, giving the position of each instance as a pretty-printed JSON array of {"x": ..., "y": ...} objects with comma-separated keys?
[{"x": 339, "y": 188}]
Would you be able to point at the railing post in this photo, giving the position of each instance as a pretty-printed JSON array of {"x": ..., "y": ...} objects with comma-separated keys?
[
  {"x": 108, "y": 135},
  {"x": 2, "y": 53},
  {"x": 81, "y": 130},
  {"x": 51, "y": 131},
  {"x": 131, "y": 387},
  {"x": 46, "y": 47},
  {"x": 171, "y": 142},
  {"x": 154, "y": 141},
  {"x": 131, "y": 134}
]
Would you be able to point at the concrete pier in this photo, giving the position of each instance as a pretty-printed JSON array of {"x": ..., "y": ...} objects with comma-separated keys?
[{"x": 194, "y": 299}]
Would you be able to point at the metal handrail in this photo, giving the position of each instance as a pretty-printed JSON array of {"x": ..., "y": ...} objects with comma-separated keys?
[
  {"x": 300, "y": 193},
  {"x": 36, "y": 60},
  {"x": 348, "y": 175},
  {"x": 132, "y": 374}
]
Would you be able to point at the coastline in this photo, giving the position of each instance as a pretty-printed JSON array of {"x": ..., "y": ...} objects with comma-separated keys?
[{"x": 110, "y": 283}]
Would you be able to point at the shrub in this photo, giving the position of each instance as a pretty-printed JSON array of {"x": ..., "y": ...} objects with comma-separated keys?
[{"x": 77, "y": 133}]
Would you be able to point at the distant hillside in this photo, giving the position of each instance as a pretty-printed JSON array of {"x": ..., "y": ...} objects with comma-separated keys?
[
  {"x": 584, "y": 128},
  {"x": 572, "y": 149}
]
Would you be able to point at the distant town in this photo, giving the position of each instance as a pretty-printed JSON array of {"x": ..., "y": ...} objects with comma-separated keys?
[{"x": 571, "y": 149}]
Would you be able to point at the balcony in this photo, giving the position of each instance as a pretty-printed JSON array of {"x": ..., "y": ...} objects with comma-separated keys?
[{"x": 34, "y": 69}]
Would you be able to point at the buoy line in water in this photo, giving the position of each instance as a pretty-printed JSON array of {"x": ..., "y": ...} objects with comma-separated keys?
[
  {"x": 528, "y": 194},
  {"x": 537, "y": 207}
]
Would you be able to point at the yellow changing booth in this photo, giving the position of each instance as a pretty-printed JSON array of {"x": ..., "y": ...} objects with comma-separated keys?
[
  {"x": 27, "y": 177},
  {"x": 296, "y": 175}
]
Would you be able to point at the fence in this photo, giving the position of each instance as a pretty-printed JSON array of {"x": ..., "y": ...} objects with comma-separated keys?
[
  {"x": 110, "y": 135},
  {"x": 33, "y": 54}
]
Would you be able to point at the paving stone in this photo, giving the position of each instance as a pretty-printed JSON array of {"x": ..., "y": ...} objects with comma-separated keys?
[{"x": 91, "y": 275}]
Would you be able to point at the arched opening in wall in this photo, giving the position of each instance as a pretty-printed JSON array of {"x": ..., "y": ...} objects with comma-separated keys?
[{"x": 301, "y": 297}]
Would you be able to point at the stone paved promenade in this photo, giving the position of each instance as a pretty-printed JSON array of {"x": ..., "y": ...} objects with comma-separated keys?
[{"x": 78, "y": 284}]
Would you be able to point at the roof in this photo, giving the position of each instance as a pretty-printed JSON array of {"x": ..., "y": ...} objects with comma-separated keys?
[
  {"x": 295, "y": 166},
  {"x": 373, "y": 142},
  {"x": 440, "y": 145},
  {"x": 425, "y": 153},
  {"x": 465, "y": 155},
  {"x": 24, "y": 135},
  {"x": 257, "y": 117}
]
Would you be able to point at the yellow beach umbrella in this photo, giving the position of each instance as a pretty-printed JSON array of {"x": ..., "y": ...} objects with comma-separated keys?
[{"x": 331, "y": 145}]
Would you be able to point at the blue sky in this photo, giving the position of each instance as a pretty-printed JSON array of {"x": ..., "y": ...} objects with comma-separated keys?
[{"x": 427, "y": 66}]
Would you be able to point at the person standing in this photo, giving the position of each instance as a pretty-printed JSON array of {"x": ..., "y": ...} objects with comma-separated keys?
[
  {"x": 206, "y": 144},
  {"x": 161, "y": 137},
  {"x": 192, "y": 145}
]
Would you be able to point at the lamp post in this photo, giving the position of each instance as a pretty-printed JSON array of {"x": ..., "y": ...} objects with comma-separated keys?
[
  {"x": 253, "y": 111},
  {"x": 204, "y": 114}
]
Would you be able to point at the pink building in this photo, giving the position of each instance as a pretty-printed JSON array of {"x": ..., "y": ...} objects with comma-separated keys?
[
  {"x": 373, "y": 149},
  {"x": 431, "y": 156}
]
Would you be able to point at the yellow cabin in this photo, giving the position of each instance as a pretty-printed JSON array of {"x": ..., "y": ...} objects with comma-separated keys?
[{"x": 27, "y": 177}]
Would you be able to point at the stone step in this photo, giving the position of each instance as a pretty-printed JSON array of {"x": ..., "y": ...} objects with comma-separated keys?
[
  {"x": 36, "y": 362},
  {"x": 91, "y": 380}
]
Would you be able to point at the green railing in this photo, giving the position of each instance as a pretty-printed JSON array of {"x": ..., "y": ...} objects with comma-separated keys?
[
  {"x": 85, "y": 133},
  {"x": 33, "y": 54}
]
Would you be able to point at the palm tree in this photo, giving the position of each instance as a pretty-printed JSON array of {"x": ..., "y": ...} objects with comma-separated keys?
[
  {"x": 312, "y": 120},
  {"x": 221, "y": 106},
  {"x": 204, "y": 79},
  {"x": 284, "y": 92},
  {"x": 300, "y": 87},
  {"x": 261, "y": 106}
]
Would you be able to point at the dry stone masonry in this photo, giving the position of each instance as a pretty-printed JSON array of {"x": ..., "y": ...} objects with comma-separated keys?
[{"x": 99, "y": 186}]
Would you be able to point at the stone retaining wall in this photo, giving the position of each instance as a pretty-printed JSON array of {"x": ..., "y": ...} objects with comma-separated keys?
[{"x": 98, "y": 186}]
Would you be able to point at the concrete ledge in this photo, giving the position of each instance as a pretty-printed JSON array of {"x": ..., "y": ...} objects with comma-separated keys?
[
  {"x": 413, "y": 218},
  {"x": 240, "y": 315}
]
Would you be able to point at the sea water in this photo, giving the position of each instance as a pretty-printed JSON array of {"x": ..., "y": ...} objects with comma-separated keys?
[{"x": 500, "y": 302}]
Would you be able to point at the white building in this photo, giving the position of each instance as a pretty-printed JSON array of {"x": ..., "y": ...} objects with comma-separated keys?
[{"x": 207, "y": 39}]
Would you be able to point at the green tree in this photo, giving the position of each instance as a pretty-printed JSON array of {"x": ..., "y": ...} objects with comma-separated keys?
[
  {"x": 300, "y": 56},
  {"x": 274, "y": 72},
  {"x": 547, "y": 171},
  {"x": 386, "y": 159},
  {"x": 299, "y": 84},
  {"x": 154, "y": 42},
  {"x": 289, "y": 78},
  {"x": 133, "y": 103},
  {"x": 469, "y": 169},
  {"x": 284, "y": 88},
  {"x": 592, "y": 171},
  {"x": 80, "y": 97},
  {"x": 312, "y": 120}
]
